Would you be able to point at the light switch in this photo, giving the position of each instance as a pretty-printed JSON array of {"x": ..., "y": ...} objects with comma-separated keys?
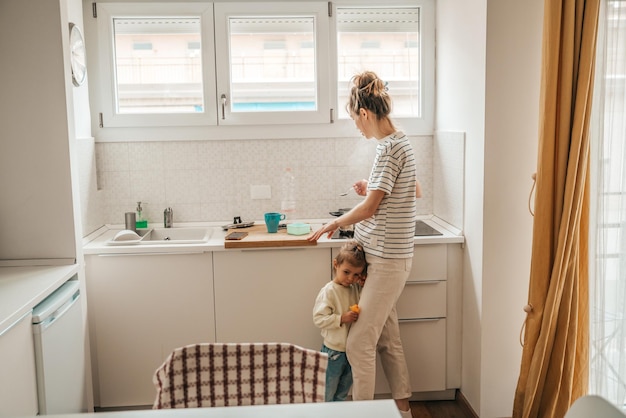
[{"x": 260, "y": 191}]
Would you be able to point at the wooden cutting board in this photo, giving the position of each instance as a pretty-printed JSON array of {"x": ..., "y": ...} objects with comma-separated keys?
[{"x": 258, "y": 237}]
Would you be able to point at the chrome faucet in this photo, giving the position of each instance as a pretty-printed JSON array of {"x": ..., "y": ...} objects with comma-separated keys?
[{"x": 168, "y": 217}]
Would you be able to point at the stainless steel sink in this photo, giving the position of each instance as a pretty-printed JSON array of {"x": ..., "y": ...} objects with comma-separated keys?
[{"x": 176, "y": 236}]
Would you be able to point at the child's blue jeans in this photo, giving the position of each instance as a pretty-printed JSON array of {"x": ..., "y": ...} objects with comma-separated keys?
[{"x": 338, "y": 375}]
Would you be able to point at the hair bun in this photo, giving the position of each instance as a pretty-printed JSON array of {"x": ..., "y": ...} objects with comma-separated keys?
[{"x": 369, "y": 92}]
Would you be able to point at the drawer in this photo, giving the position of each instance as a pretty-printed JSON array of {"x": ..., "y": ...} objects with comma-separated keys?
[
  {"x": 423, "y": 300},
  {"x": 424, "y": 343},
  {"x": 430, "y": 262}
]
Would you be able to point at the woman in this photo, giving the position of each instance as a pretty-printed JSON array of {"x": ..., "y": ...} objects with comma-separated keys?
[{"x": 385, "y": 227}]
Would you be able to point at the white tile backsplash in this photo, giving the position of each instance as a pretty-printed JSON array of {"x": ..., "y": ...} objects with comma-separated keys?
[
  {"x": 146, "y": 156},
  {"x": 449, "y": 177},
  {"x": 210, "y": 180},
  {"x": 91, "y": 206}
]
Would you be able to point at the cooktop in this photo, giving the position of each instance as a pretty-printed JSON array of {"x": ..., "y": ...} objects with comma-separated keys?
[{"x": 421, "y": 229}]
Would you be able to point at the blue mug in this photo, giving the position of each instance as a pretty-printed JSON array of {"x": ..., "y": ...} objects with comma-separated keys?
[{"x": 272, "y": 219}]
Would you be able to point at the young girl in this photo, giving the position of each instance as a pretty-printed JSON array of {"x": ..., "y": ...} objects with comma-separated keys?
[{"x": 333, "y": 314}]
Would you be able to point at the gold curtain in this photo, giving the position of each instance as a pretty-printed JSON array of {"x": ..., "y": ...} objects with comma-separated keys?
[{"x": 554, "y": 367}]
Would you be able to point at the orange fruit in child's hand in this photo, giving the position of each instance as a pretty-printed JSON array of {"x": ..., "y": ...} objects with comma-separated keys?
[{"x": 355, "y": 308}]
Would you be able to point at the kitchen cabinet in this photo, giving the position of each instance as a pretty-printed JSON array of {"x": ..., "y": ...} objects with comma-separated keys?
[
  {"x": 423, "y": 338},
  {"x": 428, "y": 312},
  {"x": 39, "y": 217},
  {"x": 142, "y": 307},
  {"x": 18, "y": 384},
  {"x": 424, "y": 343},
  {"x": 267, "y": 295}
]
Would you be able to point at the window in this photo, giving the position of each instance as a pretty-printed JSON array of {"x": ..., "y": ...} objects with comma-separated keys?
[
  {"x": 392, "y": 42},
  {"x": 275, "y": 61},
  {"x": 153, "y": 71},
  {"x": 608, "y": 244},
  {"x": 157, "y": 64},
  {"x": 185, "y": 69}
]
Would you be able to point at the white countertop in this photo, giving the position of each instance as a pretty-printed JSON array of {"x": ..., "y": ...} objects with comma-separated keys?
[
  {"x": 385, "y": 408},
  {"x": 96, "y": 243},
  {"x": 22, "y": 288}
]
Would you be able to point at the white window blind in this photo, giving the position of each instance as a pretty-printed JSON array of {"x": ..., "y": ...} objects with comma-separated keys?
[
  {"x": 386, "y": 41},
  {"x": 378, "y": 19}
]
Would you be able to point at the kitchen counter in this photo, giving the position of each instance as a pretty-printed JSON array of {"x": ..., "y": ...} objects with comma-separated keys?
[
  {"x": 22, "y": 288},
  {"x": 361, "y": 409},
  {"x": 96, "y": 243}
]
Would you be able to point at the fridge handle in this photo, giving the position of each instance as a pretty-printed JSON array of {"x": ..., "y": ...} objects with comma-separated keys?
[{"x": 43, "y": 325}]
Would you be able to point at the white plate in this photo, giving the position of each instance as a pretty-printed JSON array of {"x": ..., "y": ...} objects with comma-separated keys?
[{"x": 125, "y": 237}]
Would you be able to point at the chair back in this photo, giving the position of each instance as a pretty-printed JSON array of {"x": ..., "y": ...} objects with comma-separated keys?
[
  {"x": 592, "y": 406},
  {"x": 229, "y": 374}
]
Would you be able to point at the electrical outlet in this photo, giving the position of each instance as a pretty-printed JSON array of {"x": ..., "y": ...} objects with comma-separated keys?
[{"x": 260, "y": 191}]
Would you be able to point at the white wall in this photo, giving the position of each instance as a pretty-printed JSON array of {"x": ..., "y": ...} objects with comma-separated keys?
[
  {"x": 488, "y": 78},
  {"x": 461, "y": 33},
  {"x": 514, "y": 31},
  {"x": 80, "y": 141}
]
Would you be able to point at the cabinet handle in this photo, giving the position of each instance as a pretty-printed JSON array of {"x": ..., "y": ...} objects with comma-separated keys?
[
  {"x": 138, "y": 254},
  {"x": 273, "y": 248},
  {"x": 424, "y": 282},
  {"x": 403, "y": 321}
]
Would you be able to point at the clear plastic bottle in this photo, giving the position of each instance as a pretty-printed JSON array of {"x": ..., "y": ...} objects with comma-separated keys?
[
  {"x": 140, "y": 222},
  {"x": 288, "y": 197}
]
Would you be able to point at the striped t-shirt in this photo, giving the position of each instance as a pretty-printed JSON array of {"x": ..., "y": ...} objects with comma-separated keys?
[{"x": 390, "y": 232}]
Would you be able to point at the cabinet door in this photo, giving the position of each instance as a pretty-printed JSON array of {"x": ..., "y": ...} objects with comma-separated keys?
[
  {"x": 18, "y": 385},
  {"x": 430, "y": 263},
  {"x": 268, "y": 295},
  {"x": 39, "y": 217},
  {"x": 424, "y": 343},
  {"x": 422, "y": 299},
  {"x": 141, "y": 307}
]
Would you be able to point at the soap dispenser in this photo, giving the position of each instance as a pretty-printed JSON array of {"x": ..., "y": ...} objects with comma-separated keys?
[
  {"x": 141, "y": 221},
  {"x": 168, "y": 217}
]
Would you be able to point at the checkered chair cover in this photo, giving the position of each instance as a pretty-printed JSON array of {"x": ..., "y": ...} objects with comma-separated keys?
[{"x": 229, "y": 374}]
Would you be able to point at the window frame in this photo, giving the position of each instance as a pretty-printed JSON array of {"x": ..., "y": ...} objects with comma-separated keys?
[
  {"x": 425, "y": 50},
  {"x": 319, "y": 11},
  {"x": 205, "y": 126},
  {"x": 108, "y": 103}
]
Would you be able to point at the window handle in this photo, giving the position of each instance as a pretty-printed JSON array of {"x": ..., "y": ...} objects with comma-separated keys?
[{"x": 223, "y": 98}]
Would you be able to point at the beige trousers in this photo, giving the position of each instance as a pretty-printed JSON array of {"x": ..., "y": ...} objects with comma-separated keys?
[{"x": 377, "y": 330}]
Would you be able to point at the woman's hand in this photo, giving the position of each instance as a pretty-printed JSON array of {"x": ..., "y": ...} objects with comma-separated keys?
[
  {"x": 363, "y": 210},
  {"x": 360, "y": 187},
  {"x": 329, "y": 228}
]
